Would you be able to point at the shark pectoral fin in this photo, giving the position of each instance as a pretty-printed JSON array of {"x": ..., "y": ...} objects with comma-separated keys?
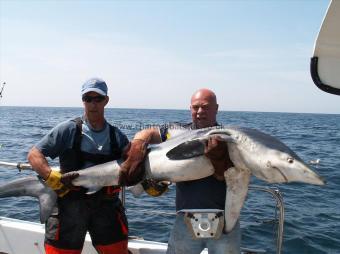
[
  {"x": 47, "y": 201},
  {"x": 136, "y": 190},
  {"x": 187, "y": 150},
  {"x": 237, "y": 181}
]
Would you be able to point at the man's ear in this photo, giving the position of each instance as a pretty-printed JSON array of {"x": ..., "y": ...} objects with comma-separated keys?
[{"x": 107, "y": 100}]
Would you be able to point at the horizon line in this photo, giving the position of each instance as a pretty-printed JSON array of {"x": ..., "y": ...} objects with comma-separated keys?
[{"x": 243, "y": 111}]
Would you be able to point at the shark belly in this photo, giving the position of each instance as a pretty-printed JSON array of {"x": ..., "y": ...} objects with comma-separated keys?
[{"x": 160, "y": 167}]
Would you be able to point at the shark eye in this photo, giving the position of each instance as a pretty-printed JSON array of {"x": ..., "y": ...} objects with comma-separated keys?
[{"x": 290, "y": 159}]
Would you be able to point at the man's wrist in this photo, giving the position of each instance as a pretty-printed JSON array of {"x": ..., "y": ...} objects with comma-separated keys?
[
  {"x": 53, "y": 180},
  {"x": 47, "y": 175}
]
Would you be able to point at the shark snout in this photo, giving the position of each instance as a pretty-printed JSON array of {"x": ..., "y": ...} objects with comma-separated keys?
[{"x": 307, "y": 175}]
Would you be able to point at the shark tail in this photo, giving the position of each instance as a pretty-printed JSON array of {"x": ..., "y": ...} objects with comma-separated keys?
[{"x": 34, "y": 187}]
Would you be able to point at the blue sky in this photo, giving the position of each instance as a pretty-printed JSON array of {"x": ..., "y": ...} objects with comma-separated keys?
[{"x": 154, "y": 54}]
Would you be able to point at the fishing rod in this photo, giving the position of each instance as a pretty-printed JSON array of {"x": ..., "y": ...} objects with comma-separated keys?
[
  {"x": 2, "y": 89},
  {"x": 20, "y": 166}
]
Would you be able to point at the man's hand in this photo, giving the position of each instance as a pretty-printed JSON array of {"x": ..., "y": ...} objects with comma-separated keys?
[
  {"x": 216, "y": 150},
  {"x": 67, "y": 179},
  {"x": 132, "y": 169},
  {"x": 61, "y": 184}
]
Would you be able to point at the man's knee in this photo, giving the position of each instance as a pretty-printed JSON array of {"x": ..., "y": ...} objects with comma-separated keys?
[
  {"x": 114, "y": 248},
  {"x": 49, "y": 249}
]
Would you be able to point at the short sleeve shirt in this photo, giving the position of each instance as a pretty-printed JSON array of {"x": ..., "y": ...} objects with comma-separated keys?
[{"x": 61, "y": 138}]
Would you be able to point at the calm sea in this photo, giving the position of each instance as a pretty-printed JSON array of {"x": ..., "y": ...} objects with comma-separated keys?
[{"x": 312, "y": 219}]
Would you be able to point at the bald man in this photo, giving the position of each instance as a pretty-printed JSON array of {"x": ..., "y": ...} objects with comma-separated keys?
[
  {"x": 206, "y": 193},
  {"x": 204, "y": 108}
]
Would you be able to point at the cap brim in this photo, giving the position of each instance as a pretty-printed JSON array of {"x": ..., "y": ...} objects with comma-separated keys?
[{"x": 94, "y": 90}]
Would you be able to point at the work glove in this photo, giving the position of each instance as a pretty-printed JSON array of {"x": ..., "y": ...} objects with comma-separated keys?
[
  {"x": 132, "y": 169},
  {"x": 216, "y": 149},
  {"x": 154, "y": 188},
  {"x": 61, "y": 184}
]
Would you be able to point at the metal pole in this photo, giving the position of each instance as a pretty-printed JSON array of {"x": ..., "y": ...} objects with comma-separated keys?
[
  {"x": 122, "y": 197},
  {"x": 20, "y": 166},
  {"x": 279, "y": 203}
]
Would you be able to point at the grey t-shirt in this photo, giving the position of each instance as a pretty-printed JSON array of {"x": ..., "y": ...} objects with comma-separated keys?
[{"x": 61, "y": 138}]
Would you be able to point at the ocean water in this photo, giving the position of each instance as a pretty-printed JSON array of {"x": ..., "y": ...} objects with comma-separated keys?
[{"x": 312, "y": 213}]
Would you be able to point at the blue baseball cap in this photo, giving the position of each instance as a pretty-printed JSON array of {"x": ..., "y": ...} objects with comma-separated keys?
[{"x": 94, "y": 85}]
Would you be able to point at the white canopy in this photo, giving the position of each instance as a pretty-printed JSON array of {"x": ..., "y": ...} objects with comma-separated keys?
[{"x": 325, "y": 63}]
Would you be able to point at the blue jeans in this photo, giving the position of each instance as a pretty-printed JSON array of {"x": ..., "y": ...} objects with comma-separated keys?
[{"x": 181, "y": 241}]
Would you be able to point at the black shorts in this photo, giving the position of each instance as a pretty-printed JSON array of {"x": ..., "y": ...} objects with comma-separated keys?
[{"x": 104, "y": 219}]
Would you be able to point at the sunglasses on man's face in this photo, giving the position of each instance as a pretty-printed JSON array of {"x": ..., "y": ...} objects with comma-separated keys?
[{"x": 97, "y": 99}]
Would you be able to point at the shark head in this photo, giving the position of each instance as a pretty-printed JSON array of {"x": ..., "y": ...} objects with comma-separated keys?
[{"x": 283, "y": 166}]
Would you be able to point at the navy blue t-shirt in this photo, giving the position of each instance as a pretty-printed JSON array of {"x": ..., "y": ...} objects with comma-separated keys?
[{"x": 205, "y": 193}]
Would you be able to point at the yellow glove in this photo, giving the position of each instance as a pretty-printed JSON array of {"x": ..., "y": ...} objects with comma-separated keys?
[
  {"x": 53, "y": 181},
  {"x": 154, "y": 188}
]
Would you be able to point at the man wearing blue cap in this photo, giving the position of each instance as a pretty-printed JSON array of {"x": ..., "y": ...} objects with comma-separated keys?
[{"x": 80, "y": 143}]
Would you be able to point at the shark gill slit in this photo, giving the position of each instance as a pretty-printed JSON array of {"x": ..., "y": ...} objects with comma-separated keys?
[{"x": 286, "y": 179}]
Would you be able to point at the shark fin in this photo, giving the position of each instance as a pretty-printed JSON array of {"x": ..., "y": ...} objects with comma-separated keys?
[
  {"x": 47, "y": 199},
  {"x": 187, "y": 150},
  {"x": 46, "y": 205},
  {"x": 35, "y": 187},
  {"x": 194, "y": 148},
  {"x": 237, "y": 181}
]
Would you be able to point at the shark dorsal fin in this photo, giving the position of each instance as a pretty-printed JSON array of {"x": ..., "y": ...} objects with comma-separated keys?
[{"x": 187, "y": 150}]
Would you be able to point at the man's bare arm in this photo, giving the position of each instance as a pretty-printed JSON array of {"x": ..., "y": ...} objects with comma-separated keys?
[
  {"x": 151, "y": 135},
  {"x": 39, "y": 163}
]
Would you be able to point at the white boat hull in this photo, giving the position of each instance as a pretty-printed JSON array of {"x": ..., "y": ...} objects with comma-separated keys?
[{"x": 23, "y": 237}]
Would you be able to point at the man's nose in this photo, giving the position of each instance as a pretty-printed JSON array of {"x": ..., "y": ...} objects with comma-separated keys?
[{"x": 200, "y": 110}]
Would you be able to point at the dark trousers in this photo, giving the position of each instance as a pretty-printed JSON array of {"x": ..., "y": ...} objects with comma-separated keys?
[{"x": 104, "y": 218}]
